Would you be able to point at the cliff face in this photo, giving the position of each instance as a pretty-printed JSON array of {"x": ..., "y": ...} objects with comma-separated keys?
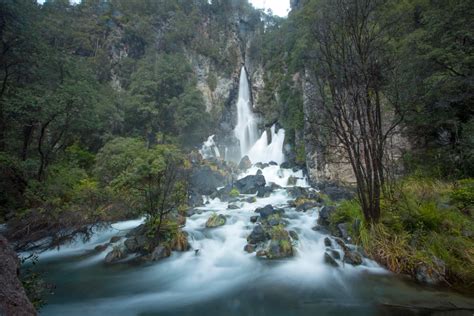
[{"x": 13, "y": 299}]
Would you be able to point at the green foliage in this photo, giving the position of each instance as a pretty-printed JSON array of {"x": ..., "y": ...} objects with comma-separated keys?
[
  {"x": 463, "y": 195},
  {"x": 234, "y": 193}
]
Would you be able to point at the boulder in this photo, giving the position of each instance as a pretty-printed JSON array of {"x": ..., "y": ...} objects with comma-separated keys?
[
  {"x": 268, "y": 210},
  {"x": 431, "y": 274},
  {"x": 330, "y": 260},
  {"x": 195, "y": 199},
  {"x": 114, "y": 239},
  {"x": 279, "y": 249},
  {"x": 254, "y": 218},
  {"x": 204, "y": 180},
  {"x": 233, "y": 207},
  {"x": 139, "y": 230},
  {"x": 273, "y": 163},
  {"x": 245, "y": 163},
  {"x": 325, "y": 215},
  {"x": 160, "y": 252},
  {"x": 251, "y": 199},
  {"x": 261, "y": 253},
  {"x": 335, "y": 191},
  {"x": 342, "y": 230},
  {"x": 307, "y": 205},
  {"x": 257, "y": 235},
  {"x": 261, "y": 165},
  {"x": 259, "y": 172},
  {"x": 292, "y": 180},
  {"x": 216, "y": 220},
  {"x": 293, "y": 235},
  {"x": 250, "y": 248},
  {"x": 115, "y": 255},
  {"x": 351, "y": 257},
  {"x": 101, "y": 248},
  {"x": 264, "y": 192},
  {"x": 250, "y": 184},
  {"x": 136, "y": 243},
  {"x": 327, "y": 242}
]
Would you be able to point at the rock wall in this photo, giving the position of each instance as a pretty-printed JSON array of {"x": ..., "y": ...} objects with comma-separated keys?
[{"x": 13, "y": 299}]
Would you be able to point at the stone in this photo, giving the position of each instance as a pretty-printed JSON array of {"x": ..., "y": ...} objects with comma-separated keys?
[
  {"x": 114, "y": 239},
  {"x": 245, "y": 163},
  {"x": 327, "y": 242},
  {"x": 293, "y": 235},
  {"x": 325, "y": 215},
  {"x": 257, "y": 235},
  {"x": 336, "y": 192},
  {"x": 279, "y": 249},
  {"x": 250, "y": 248},
  {"x": 195, "y": 199},
  {"x": 342, "y": 230},
  {"x": 273, "y": 163},
  {"x": 216, "y": 220},
  {"x": 261, "y": 253},
  {"x": 330, "y": 260},
  {"x": 251, "y": 199},
  {"x": 160, "y": 252},
  {"x": 352, "y": 257},
  {"x": 254, "y": 219},
  {"x": 261, "y": 165},
  {"x": 433, "y": 274},
  {"x": 204, "y": 180},
  {"x": 259, "y": 172},
  {"x": 233, "y": 207},
  {"x": 307, "y": 206},
  {"x": 292, "y": 180},
  {"x": 115, "y": 255},
  {"x": 268, "y": 210},
  {"x": 136, "y": 243},
  {"x": 264, "y": 192},
  {"x": 101, "y": 248},
  {"x": 250, "y": 184},
  {"x": 335, "y": 254}
]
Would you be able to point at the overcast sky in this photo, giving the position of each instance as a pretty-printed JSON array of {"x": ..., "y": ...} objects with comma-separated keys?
[{"x": 279, "y": 7}]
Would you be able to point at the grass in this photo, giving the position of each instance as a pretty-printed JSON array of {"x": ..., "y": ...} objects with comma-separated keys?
[{"x": 421, "y": 219}]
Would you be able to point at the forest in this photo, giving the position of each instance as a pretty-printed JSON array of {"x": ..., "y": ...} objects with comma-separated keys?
[{"x": 359, "y": 133}]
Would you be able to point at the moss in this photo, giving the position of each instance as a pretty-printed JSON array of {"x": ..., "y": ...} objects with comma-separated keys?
[
  {"x": 234, "y": 193},
  {"x": 285, "y": 246}
]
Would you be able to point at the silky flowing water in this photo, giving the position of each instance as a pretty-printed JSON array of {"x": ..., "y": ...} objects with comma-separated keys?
[
  {"x": 217, "y": 277},
  {"x": 221, "y": 278}
]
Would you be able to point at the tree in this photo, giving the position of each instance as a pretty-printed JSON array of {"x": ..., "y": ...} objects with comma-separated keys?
[{"x": 350, "y": 66}]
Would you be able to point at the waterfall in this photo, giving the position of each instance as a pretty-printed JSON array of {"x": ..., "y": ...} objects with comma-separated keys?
[
  {"x": 246, "y": 129},
  {"x": 209, "y": 148},
  {"x": 262, "y": 151}
]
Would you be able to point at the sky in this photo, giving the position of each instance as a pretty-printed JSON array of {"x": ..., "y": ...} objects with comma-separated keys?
[{"x": 278, "y": 7}]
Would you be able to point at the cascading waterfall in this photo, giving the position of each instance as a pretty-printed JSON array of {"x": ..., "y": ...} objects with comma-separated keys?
[
  {"x": 246, "y": 129},
  {"x": 209, "y": 148},
  {"x": 262, "y": 151}
]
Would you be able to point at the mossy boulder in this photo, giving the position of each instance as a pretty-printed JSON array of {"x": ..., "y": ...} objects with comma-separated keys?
[{"x": 216, "y": 220}]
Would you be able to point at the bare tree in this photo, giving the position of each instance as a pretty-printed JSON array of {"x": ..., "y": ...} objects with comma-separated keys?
[{"x": 349, "y": 67}]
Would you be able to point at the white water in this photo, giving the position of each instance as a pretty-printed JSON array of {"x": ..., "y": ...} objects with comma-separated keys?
[
  {"x": 209, "y": 148},
  {"x": 262, "y": 151},
  {"x": 246, "y": 129}
]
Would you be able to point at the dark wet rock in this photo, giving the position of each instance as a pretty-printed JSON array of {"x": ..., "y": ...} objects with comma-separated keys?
[
  {"x": 272, "y": 163},
  {"x": 195, "y": 199},
  {"x": 136, "y": 243},
  {"x": 307, "y": 205},
  {"x": 268, "y": 210},
  {"x": 336, "y": 192},
  {"x": 160, "y": 252},
  {"x": 250, "y": 248},
  {"x": 115, "y": 255},
  {"x": 250, "y": 184},
  {"x": 327, "y": 242},
  {"x": 216, "y": 221},
  {"x": 101, "y": 248},
  {"x": 139, "y": 230},
  {"x": 205, "y": 180},
  {"x": 286, "y": 165},
  {"x": 330, "y": 260},
  {"x": 274, "y": 186},
  {"x": 279, "y": 249},
  {"x": 261, "y": 253},
  {"x": 254, "y": 219},
  {"x": 115, "y": 239},
  {"x": 251, "y": 199},
  {"x": 224, "y": 194},
  {"x": 432, "y": 274},
  {"x": 325, "y": 215},
  {"x": 259, "y": 172},
  {"x": 191, "y": 212},
  {"x": 335, "y": 254},
  {"x": 261, "y": 165},
  {"x": 304, "y": 193},
  {"x": 342, "y": 230},
  {"x": 264, "y": 192},
  {"x": 293, "y": 235},
  {"x": 13, "y": 299},
  {"x": 233, "y": 207},
  {"x": 245, "y": 163},
  {"x": 292, "y": 180},
  {"x": 350, "y": 256},
  {"x": 273, "y": 221},
  {"x": 321, "y": 229},
  {"x": 257, "y": 235}
]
